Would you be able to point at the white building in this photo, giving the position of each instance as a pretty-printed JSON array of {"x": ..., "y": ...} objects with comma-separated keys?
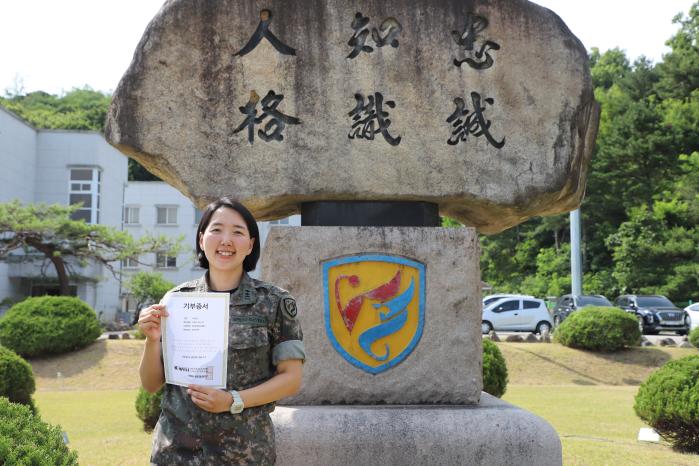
[{"x": 68, "y": 167}]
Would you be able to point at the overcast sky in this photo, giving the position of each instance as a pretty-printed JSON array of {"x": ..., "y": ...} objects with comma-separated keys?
[{"x": 55, "y": 45}]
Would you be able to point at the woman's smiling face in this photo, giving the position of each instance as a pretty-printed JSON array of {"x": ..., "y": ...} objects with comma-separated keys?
[{"x": 226, "y": 241}]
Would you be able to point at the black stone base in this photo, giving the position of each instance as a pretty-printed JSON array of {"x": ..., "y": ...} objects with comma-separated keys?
[{"x": 370, "y": 214}]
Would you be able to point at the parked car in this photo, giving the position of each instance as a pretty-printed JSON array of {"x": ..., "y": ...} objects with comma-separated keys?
[
  {"x": 655, "y": 313},
  {"x": 494, "y": 297},
  {"x": 693, "y": 313},
  {"x": 516, "y": 313},
  {"x": 571, "y": 302}
]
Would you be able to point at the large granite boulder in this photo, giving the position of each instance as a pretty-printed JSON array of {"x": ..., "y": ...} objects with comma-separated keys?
[{"x": 484, "y": 107}]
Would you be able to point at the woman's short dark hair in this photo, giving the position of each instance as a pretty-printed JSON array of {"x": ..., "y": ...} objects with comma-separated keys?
[{"x": 250, "y": 261}]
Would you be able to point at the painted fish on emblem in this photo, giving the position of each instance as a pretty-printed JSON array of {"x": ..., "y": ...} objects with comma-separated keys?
[{"x": 374, "y": 308}]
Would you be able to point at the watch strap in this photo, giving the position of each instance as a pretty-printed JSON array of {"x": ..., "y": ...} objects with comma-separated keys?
[{"x": 237, "y": 406}]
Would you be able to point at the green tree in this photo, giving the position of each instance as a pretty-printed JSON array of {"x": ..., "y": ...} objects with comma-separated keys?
[
  {"x": 50, "y": 231},
  {"x": 639, "y": 215},
  {"x": 78, "y": 109},
  {"x": 147, "y": 287},
  {"x": 680, "y": 68},
  {"x": 608, "y": 68},
  {"x": 657, "y": 249}
]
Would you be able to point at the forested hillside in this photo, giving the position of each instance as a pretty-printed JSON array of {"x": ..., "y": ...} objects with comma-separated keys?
[
  {"x": 78, "y": 109},
  {"x": 641, "y": 207}
]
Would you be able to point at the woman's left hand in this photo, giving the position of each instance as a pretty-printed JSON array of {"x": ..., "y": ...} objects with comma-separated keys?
[{"x": 210, "y": 399}]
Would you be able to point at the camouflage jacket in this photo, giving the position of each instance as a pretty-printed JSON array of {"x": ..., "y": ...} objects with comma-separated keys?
[{"x": 263, "y": 330}]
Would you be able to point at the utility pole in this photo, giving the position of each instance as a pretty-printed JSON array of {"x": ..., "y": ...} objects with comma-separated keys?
[{"x": 575, "y": 253}]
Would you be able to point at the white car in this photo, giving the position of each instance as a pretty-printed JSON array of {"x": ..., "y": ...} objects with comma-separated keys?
[
  {"x": 517, "y": 313},
  {"x": 693, "y": 313},
  {"x": 494, "y": 297}
]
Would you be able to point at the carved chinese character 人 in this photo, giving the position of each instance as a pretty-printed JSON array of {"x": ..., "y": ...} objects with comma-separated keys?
[
  {"x": 467, "y": 40},
  {"x": 387, "y": 34},
  {"x": 263, "y": 31},
  {"x": 369, "y": 118},
  {"x": 277, "y": 120},
  {"x": 474, "y": 124}
]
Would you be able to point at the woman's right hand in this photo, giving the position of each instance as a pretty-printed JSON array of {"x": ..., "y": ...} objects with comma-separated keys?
[{"x": 149, "y": 321}]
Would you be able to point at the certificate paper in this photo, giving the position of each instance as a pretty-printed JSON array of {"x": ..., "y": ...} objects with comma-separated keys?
[{"x": 195, "y": 339}]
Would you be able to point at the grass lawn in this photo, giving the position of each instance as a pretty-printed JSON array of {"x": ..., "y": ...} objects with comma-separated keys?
[
  {"x": 102, "y": 425},
  {"x": 596, "y": 424},
  {"x": 587, "y": 397}
]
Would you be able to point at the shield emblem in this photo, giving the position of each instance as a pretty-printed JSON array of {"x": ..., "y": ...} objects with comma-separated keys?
[{"x": 374, "y": 308}]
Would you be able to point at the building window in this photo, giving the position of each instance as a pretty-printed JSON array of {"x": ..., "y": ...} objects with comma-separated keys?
[
  {"x": 85, "y": 190},
  {"x": 166, "y": 215},
  {"x": 281, "y": 221},
  {"x": 51, "y": 290},
  {"x": 163, "y": 261},
  {"x": 130, "y": 263},
  {"x": 197, "y": 216},
  {"x": 132, "y": 215}
]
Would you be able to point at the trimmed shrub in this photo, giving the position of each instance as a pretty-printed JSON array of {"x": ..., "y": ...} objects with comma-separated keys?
[
  {"x": 27, "y": 440},
  {"x": 494, "y": 370},
  {"x": 599, "y": 329},
  {"x": 148, "y": 408},
  {"x": 669, "y": 402},
  {"x": 138, "y": 334},
  {"x": 48, "y": 325},
  {"x": 16, "y": 378},
  {"x": 694, "y": 337}
]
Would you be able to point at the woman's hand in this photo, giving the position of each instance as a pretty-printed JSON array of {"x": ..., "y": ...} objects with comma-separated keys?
[
  {"x": 210, "y": 399},
  {"x": 149, "y": 321}
]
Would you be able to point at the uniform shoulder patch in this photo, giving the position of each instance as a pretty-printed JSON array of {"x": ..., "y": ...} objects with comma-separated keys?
[{"x": 289, "y": 307}]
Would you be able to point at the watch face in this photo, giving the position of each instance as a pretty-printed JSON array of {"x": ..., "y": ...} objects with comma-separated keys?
[{"x": 236, "y": 408}]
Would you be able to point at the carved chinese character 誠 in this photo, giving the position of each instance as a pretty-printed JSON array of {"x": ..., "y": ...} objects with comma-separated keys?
[
  {"x": 368, "y": 118},
  {"x": 468, "y": 39},
  {"x": 387, "y": 34},
  {"x": 474, "y": 124},
  {"x": 277, "y": 120},
  {"x": 263, "y": 31}
]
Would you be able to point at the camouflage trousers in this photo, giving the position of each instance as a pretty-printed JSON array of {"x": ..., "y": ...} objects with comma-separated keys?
[{"x": 243, "y": 439}]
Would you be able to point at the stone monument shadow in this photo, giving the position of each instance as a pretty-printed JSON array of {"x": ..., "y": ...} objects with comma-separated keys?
[{"x": 70, "y": 364}]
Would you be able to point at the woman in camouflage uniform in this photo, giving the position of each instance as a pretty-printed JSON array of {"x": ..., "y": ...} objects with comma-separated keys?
[{"x": 204, "y": 426}]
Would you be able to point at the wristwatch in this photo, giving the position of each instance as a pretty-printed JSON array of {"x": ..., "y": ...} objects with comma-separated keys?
[{"x": 237, "y": 406}]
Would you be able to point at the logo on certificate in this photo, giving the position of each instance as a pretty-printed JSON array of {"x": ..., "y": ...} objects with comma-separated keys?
[{"x": 374, "y": 308}]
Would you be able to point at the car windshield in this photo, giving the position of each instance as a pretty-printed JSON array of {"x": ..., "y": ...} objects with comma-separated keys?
[
  {"x": 654, "y": 301},
  {"x": 487, "y": 301},
  {"x": 593, "y": 301}
]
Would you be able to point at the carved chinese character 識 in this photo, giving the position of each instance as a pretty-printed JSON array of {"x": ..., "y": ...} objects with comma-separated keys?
[
  {"x": 264, "y": 31},
  {"x": 369, "y": 118},
  {"x": 468, "y": 38},
  {"x": 277, "y": 120},
  {"x": 387, "y": 34},
  {"x": 475, "y": 123}
]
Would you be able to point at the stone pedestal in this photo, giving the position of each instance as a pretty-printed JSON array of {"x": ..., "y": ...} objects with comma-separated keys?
[
  {"x": 445, "y": 365},
  {"x": 491, "y": 433},
  {"x": 428, "y": 408}
]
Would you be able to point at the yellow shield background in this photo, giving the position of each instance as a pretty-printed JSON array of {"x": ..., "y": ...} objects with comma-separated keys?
[{"x": 354, "y": 277}]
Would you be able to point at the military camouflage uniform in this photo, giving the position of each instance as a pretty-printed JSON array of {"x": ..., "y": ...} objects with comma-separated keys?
[{"x": 263, "y": 331}]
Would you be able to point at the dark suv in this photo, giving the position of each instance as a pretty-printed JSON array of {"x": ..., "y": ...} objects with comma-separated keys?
[
  {"x": 571, "y": 302},
  {"x": 654, "y": 313}
]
